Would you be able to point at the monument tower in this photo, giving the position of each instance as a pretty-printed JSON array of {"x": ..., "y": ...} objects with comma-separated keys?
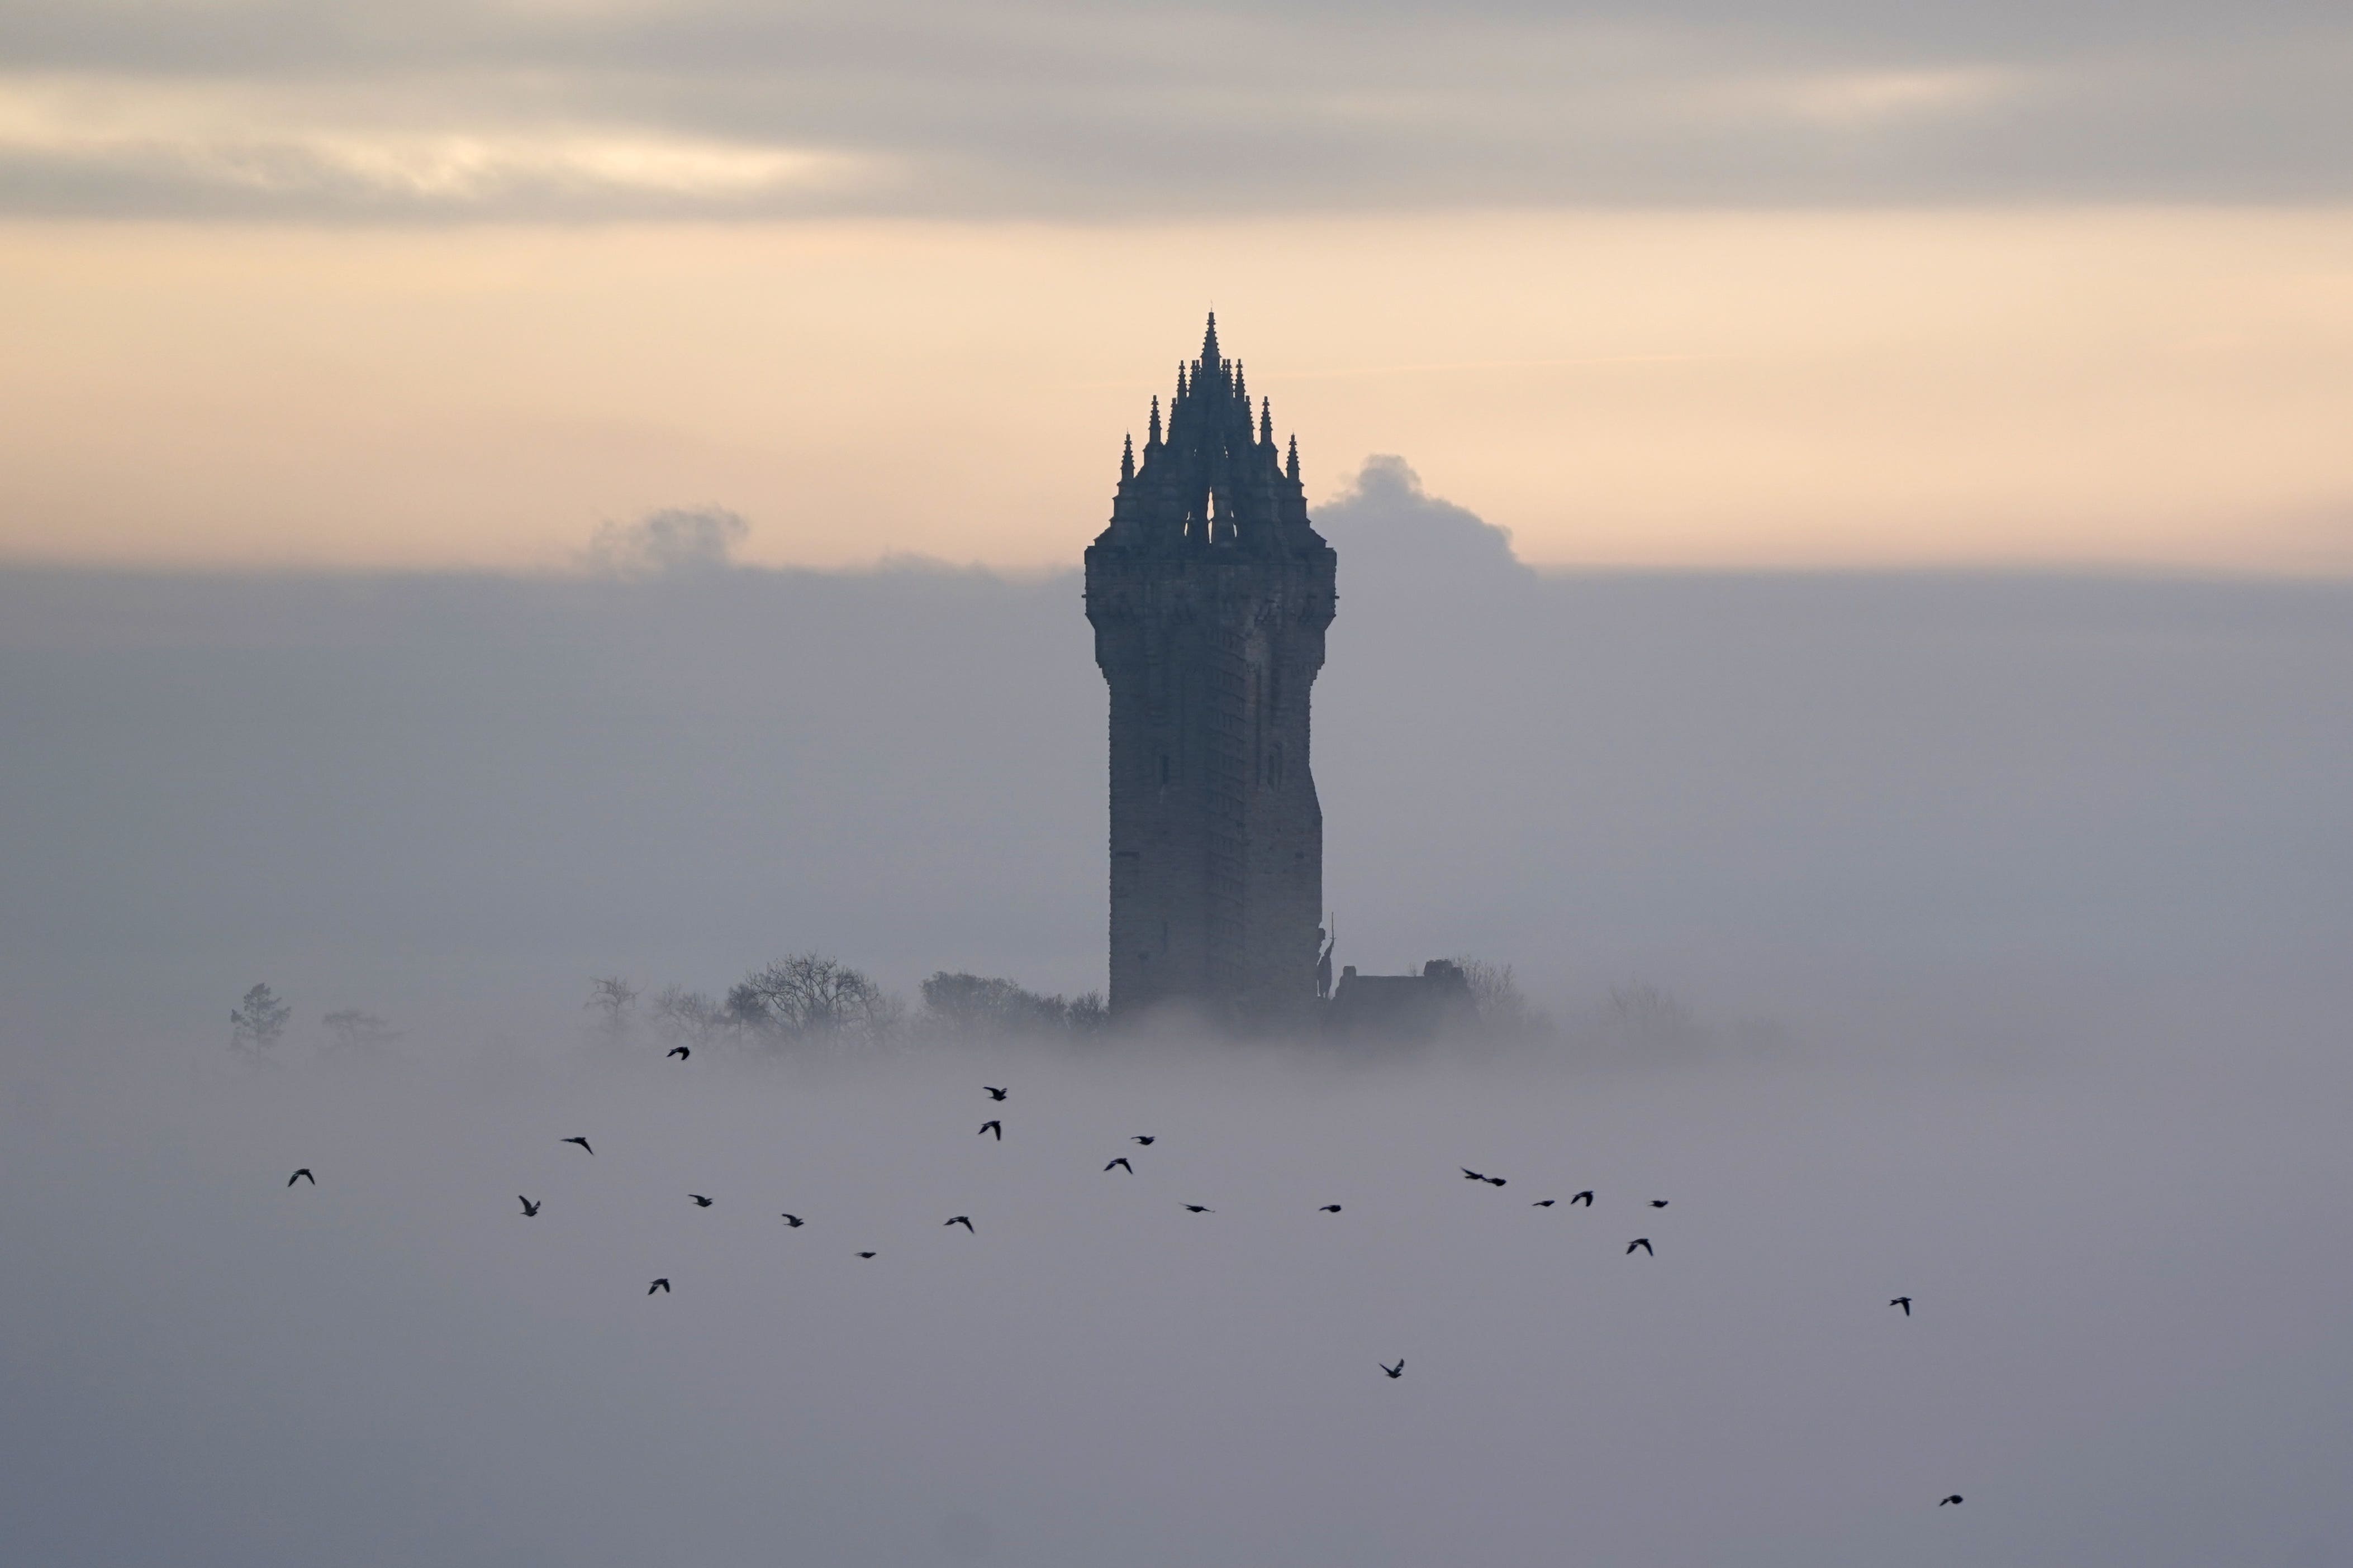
[{"x": 1208, "y": 594}]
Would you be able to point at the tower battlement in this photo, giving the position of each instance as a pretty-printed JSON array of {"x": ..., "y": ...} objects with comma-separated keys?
[{"x": 1209, "y": 594}]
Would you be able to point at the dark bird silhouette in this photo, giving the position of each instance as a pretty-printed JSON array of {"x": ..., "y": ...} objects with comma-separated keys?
[
  {"x": 529, "y": 1207},
  {"x": 661, "y": 1285},
  {"x": 700, "y": 1201},
  {"x": 1658, "y": 1202},
  {"x": 792, "y": 1220},
  {"x": 1329, "y": 1209},
  {"x": 303, "y": 1175},
  {"x": 1905, "y": 1302},
  {"x": 1950, "y": 1500},
  {"x": 865, "y": 1255},
  {"x": 1541, "y": 1204},
  {"x": 1585, "y": 1197},
  {"x": 1144, "y": 1137},
  {"x": 582, "y": 1142},
  {"x": 964, "y": 1220},
  {"x": 1470, "y": 1175},
  {"x": 1123, "y": 1165},
  {"x": 680, "y": 1052},
  {"x": 1493, "y": 1181},
  {"x": 1197, "y": 1208},
  {"x": 995, "y": 1127},
  {"x": 995, "y": 1093},
  {"x": 1397, "y": 1370},
  {"x": 1641, "y": 1241}
]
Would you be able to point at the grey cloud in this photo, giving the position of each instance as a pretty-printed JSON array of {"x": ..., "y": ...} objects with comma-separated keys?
[
  {"x": 1144, "y": 109},
  {"x": 1399, "y": 535},
  {"x": 673, "y": 539}
]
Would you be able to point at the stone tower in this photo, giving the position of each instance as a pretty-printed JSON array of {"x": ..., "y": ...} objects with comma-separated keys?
[{"x": 1209, "y": 593}]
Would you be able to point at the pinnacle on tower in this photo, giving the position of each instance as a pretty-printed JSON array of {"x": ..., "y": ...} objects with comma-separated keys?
[
  {"x": 1180, "y": 384},
  {"x": 1265, "y": 423},
  {"x": 1127, "y": 458},
  {"x": 1291, "y": 465},
  {"x": 1241, "y": 391},
  {"x": 1210, "y": 343},
  {"x": 1151, "y": 439}
]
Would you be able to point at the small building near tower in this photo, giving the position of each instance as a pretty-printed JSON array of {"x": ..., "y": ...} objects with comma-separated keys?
[{"x": 1403, "y": 1007}]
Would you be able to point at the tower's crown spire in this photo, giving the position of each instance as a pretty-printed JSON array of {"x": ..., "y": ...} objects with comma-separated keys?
[{"x": 1208, "y": 476}]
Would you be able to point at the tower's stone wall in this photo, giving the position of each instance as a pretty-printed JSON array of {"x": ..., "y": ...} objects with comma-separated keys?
[{"x": 1209, "y": 594}]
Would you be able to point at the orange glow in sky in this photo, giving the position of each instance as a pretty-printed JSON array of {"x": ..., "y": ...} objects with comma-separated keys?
[{"x": 2165, "y": 387}]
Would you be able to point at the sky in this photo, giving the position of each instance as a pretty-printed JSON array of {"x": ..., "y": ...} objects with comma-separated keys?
[
  {"x": 1843, "y": 515},
  {"x": 1694, "y": 285}
]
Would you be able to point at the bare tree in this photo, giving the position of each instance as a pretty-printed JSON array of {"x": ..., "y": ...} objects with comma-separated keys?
[
  {"x": 811, "y": 997},
  {"x": 973, "y": 1005},
  {"x": 356, "y": 1032},
  {"x": 683, "y": 1017},
  {"x": 1642, "y": 1019},
  {"x": 258, "y": 1023},
  {"x": 1504, "y": 1010},
  {"x": 614, "y": 1001}
]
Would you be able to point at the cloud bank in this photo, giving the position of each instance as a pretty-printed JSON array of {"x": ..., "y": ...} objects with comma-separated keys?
[{"x": 666, "y": 108}]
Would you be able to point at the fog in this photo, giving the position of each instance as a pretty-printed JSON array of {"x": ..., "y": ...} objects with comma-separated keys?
[{"x": 1973, "y": 939}]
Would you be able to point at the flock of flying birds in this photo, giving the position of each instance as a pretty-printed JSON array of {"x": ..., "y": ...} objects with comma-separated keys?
[{"x": 995, "y": 1127}]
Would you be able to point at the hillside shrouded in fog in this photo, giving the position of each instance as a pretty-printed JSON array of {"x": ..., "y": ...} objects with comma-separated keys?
[{"x": 1986, "y": 935}]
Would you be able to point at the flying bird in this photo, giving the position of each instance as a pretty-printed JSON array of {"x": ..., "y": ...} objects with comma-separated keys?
[
  {"x": 1493, "y": 1181},
  {"x": 529, "y": 1207},
  {"x": 792, "y": 1220},
  {"x": 1123, "y": 1165},
  {"x": 1948, "y": 1501},
  {"x": 994, "y": 1093},
  {"x": 1197, "y": 1208},
  {"x": 964, "y": 1220},
  {"x": 1905, "y": 1302},
  {"x": 1658, "y": 1202},
  {"x": 582, "y": 1142},
  {"x": 700, "y": 1201},
  {"x": 995, "y": 1127},
  {"x": 1470, "y": 1175},
  {"x": 1397, "y": 1370},
  {"x": 1641, "y": 1241},
  {"x": 1541, "y": 1204},
  {"x": 1144, "y": 1137},
  {"x": 865, "y": 1255},
  {"x": 680, "y": 1052},
  {"x": 1585, "y": 1197},
  {"x": 1329, "y": 1209},
  {"x": 303, "y": 1175},
  {"x": 661, "y": 1285}
]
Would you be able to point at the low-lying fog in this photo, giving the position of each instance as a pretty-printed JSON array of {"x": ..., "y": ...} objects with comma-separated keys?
[{"x": 1975, "y": 940}]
